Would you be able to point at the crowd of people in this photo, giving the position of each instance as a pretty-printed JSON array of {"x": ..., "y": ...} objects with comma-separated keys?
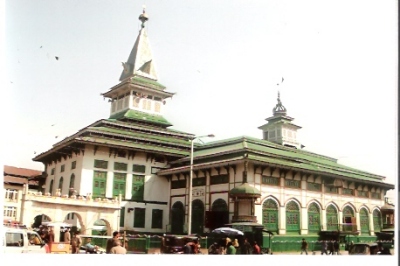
[{"x": 228, "y": 247}]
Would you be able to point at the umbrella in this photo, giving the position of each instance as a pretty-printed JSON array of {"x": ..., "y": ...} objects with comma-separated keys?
[
  {"x": 227, "y": 231},
  {"x": 61, "y": 224}
]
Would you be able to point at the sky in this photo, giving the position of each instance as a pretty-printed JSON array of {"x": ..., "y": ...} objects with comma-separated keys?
[{"x": 225, "y": 61}]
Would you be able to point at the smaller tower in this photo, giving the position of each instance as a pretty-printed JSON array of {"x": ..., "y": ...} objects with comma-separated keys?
[{"x": 280, "y": 128}]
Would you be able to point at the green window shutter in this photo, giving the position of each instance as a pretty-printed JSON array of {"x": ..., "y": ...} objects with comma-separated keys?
[
  {"x": 119, "y": 184},
  {"x": 140, "y": 218},
  {"x": 122, "y": 217},
  {"x": 99, "y": 184},
  {"x": 138, "y": 187}
]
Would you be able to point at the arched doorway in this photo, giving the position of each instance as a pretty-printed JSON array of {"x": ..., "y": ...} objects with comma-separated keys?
[
  {"x": 177, "y": 218},
  {"x": 364, "y": 221},
  {"x": 314, "y": 218},
  {"x": 349, "y": 221},
  {"x": 292, "y": 217},
  {"x": 332, "y": 218},
  {"x": 75, "y": 220},
  {"x": 270, "y": 215},
  {"x": 38, "y": 220},
  {"x": 376, "y": 216},
  {"x": 218, "y": 216},
  {"x": 197, "y": 217}
]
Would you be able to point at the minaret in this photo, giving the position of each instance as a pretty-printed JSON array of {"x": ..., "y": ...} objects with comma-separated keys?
[
  {"x": 279, "y": 128},
  {"x": 139, "y": 96}
]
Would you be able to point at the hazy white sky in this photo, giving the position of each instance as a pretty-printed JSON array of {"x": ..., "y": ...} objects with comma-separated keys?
[{"x": 222, "y": 58}]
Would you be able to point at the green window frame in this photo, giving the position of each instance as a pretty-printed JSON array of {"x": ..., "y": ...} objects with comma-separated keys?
[
  {"x": 347, "y": 191},
  {"x": 314, "y": 218},
  {"x": 99, "y": 184},
  {"x": 157, "y": 218},
  {"x": 363, "y": 194},
  {"x": 292, "y": 217},
  {"x": 140, "y": 218},
  {"x": 332, "y": 218},
  {"x": 101, "y": 164},
  {"x": 375, "y": 195},
  {"x": 332, "y": 190},
  {"x": 314, "y": 186},
  {"x": 270, "y": 215},
  {"x": 120, "y": 166},
  {"x": 139, "y": 168},
  {"x": 119, "y": 184},
  {"x": 289, "y": 183},
  {"x": 270, "y": 180},
  {"x": 219, "y": 179},
  {"x": 122, "y": 217},
  {"x": 364, "y": 221},
  {"x": 137, "y": 187},
  {"x": 376, "y": 216}
]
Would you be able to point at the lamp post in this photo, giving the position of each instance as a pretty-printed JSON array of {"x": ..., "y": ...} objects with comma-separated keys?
[{"x": 191, "y": 179}]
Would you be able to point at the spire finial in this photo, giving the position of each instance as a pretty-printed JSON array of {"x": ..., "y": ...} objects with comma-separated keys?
[{"x": 143, "y": 17}]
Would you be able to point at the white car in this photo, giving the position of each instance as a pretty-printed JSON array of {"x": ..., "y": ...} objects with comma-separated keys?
[{"x": 17, "y": 240}]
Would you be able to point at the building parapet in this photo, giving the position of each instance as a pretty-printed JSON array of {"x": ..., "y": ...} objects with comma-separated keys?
[{"x": 77, "y": 200}]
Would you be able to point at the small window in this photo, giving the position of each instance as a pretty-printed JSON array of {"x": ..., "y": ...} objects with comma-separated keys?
[
  {"x": 52, "y": 171},
  {"x": 62, "y": 168},
  {"x": 138, "y": 168},
  {"x": 156, "y": 219},
  {"x": 73, "y": 165},
  {"x": 100, "y": 164},
  {"x": 120, "y": 166},
  {"x": 140, "y": 218},
  {"x": 219, "y": 179}
]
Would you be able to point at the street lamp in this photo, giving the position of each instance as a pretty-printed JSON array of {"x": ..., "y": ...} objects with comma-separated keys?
[{"x": 191, "y": 179}]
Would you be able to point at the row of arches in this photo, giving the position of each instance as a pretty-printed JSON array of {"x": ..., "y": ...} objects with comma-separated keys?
[
  {"x": 61, "y": 183},
  {"x": 219, "y": 216},
  {"x": 270, "y": 217}
]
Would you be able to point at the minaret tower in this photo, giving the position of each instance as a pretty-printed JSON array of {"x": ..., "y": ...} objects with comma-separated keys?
[
  {"x": 139, "y": 96},
  {"x": 280, "y": 128}
]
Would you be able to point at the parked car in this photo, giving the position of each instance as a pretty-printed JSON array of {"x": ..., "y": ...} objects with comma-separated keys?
[
  {"x": 364, "y": 249},
  {"x": 19, "y": 240}
]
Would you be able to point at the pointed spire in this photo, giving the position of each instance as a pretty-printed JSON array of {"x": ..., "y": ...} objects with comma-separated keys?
[
  {"x": 279, "y": 109},
  {"x": 140, "y": 61},
  {"x": 143, "y": 17}
]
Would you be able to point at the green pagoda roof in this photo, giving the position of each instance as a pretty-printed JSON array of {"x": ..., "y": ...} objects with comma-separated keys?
[
  {"x": 244, "y": 190},
  {"x": 140, "y": 116}
]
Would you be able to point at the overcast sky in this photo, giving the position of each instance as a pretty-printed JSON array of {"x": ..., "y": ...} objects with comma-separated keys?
[{"x": 223, "y": 59}]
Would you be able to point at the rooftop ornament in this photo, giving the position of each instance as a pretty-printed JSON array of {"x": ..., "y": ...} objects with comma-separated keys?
[{"x": 143, "y": 17}]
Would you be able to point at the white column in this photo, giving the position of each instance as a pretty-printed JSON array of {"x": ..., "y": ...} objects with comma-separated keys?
[
  {"x": 110, "y": 184},
  {"x": 358, "y": 221},
  {"x": 304, "y": 221},
  {"x": 282, "y": 220},
  {"x": 340, "y": 216},
  {"x": 323, "y": 220},
  {"x": 371, "y": 224}
]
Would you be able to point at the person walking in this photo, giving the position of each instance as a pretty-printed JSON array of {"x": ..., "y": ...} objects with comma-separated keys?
[
  {"x": 256, "y": 248},
  {"x": 324, "y": 248},
  {"x": 67, "y": 236},
  {"x": 235, "y": 243},
  {"x": 336, "y": 247},
  {"x": 330, "y": 247},
  {"x": 304, "y": 247},
  {"x": 230, "y": 250},
  {"x": 246, "y": 248},
  {"x": 111, "y": 242}
]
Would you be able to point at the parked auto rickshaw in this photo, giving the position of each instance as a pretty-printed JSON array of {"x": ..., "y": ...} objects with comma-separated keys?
[{"x": 172, "y": 244}]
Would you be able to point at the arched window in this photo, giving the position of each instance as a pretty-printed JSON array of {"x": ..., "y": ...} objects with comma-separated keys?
[
  {"x": 51, "y": 187},
  {"x": 292, "y": 217},
  {"x": 349, "y": 222},
  {"x": 332, "y": 218},
  {"x": 376, "y": 216},
  {"x": 314, "y": 218},
  {"x": 364, "y": 221},
  {"x": 71, "y": 185},
  {"x": 270, "y": 215},
  {"x": 60, "y": 184}
]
